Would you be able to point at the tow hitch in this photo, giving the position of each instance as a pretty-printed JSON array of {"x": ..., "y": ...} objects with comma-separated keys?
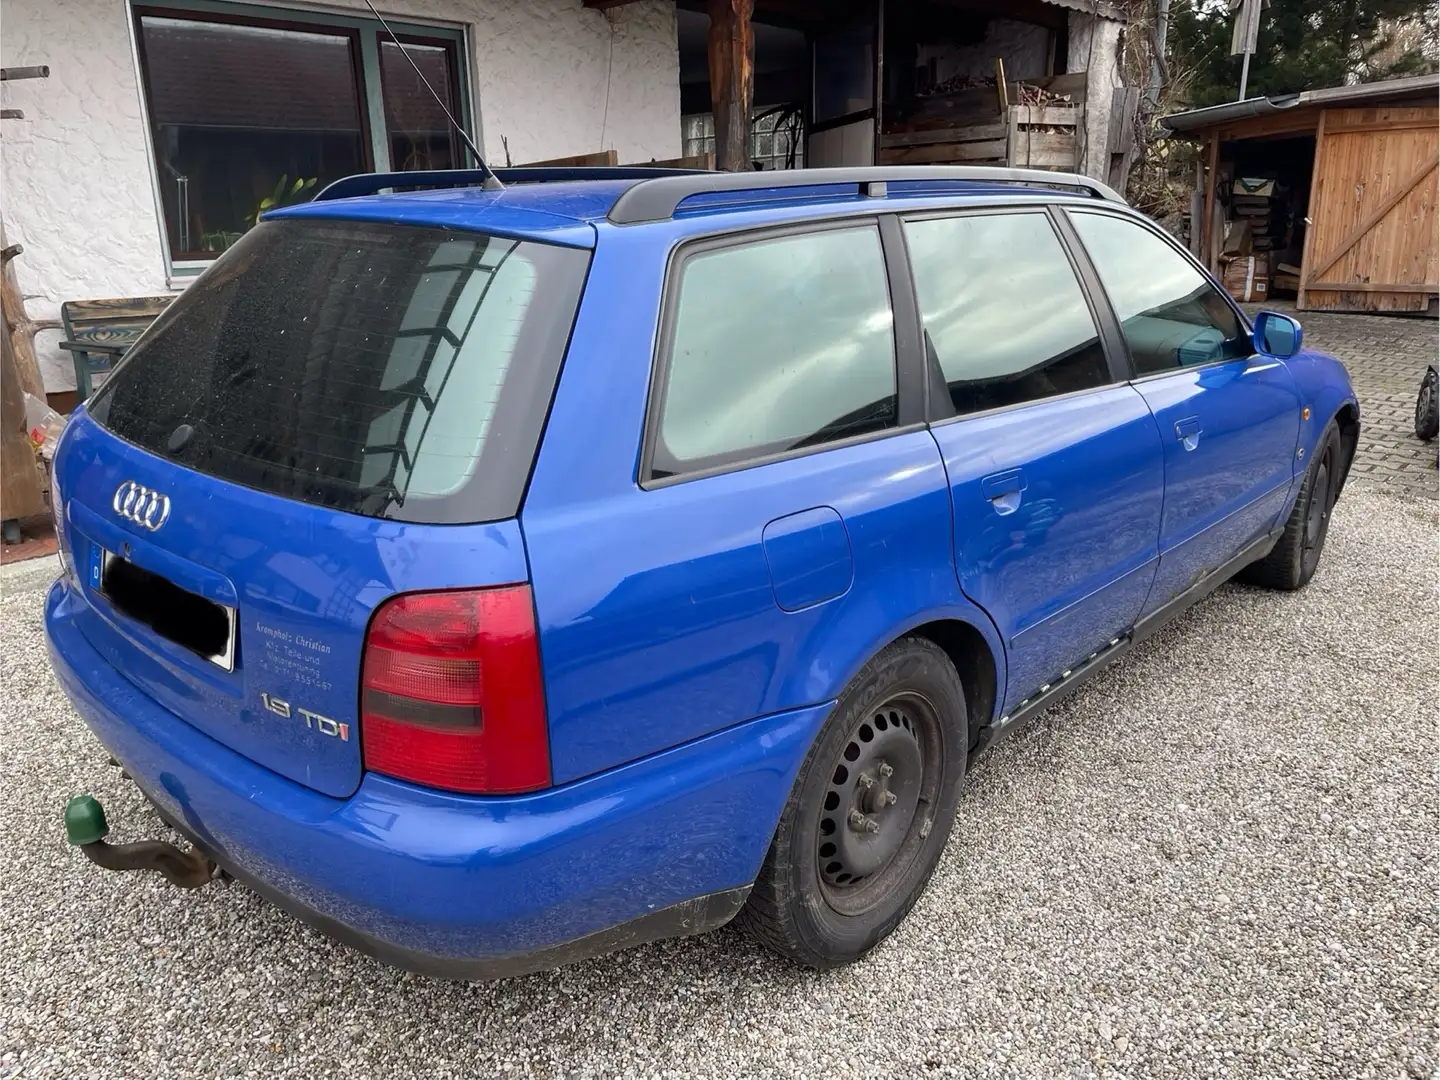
[{"x": 85, "y": 827}]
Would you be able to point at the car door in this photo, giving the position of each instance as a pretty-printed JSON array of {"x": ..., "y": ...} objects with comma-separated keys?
[
  {"x": 788, "y": 496},
  {"x": 1053, "y": 461},
  {"x": 1228, "y": 417}
]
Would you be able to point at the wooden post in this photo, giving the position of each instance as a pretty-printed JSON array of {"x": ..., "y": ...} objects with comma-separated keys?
[
  {"x": 1212, "y": 164},
  {"x": 18, "y": 326},
  {"x": 732, "y": 80},
  {"x": 1317, "y": 178}
]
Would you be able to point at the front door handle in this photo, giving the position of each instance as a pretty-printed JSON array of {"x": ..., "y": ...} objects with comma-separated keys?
[
  {"x": 1004, "y": 490},
  {"x": 1188, "y": 432}
]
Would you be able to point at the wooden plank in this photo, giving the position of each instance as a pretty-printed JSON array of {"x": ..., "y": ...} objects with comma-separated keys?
[
  {"x": 1375, "y": 286},
  {"x": 1058, "y": 115},
  {"x": 1123, "y": 104},
  {"x": 945, "y": 153},
  {"x": 1353, "y": 237},
  {"x": 1384, "y": 125},
  {"x": 1002, "y": 95},
  {"x": 731, "y": 57},
  {"x": 1212, "y": 159},
  {"x": 1030, "y": 148},
  {"x": 944, "y": 135},
  {"x": 692, "y": 161},
  {"x": 575, "y": 161},
  {"x": 79, "y": 312},
  {"x": 1317, "y": 179}
]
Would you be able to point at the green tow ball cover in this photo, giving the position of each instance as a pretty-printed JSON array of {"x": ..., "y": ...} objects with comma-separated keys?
[{"x": 84, "y": 820}]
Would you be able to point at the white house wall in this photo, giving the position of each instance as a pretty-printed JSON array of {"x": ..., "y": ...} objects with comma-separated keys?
[{"x": 77, "y": 188}]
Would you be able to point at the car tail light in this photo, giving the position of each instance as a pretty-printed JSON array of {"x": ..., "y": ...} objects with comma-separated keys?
[{"x": 451, "y": 692}]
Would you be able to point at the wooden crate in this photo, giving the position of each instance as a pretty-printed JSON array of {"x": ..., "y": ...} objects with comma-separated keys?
[
  {"x": 1044, "y": 137},
  {"x": 1040, "y": 137}
]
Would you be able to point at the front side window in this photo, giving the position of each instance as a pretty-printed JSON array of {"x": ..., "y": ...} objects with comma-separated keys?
[
  {"x": 249, "y": 113},
  {"x": 1003, "y": 312},
  {"x": 1172, "y": 316},
  {"x": 777, "y": 345}
]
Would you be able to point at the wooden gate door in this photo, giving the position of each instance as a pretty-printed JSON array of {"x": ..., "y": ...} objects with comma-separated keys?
[{"x": 1371, "y": 244}]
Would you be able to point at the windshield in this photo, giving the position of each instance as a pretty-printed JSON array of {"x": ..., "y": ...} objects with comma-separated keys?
[{"x": 388, "y": 370}]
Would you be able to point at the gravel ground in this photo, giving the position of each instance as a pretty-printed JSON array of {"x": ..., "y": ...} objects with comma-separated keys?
[{"x": 1218, "y": 859}]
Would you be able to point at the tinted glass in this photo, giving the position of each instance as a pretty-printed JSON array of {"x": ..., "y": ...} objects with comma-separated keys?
[
  {"x": 778, "y": 344},
  {"x": 1171, "y": 314},
  {"x": 383, "y": 370},
  {"x": 420, "y": 135},
  {"x": 243, "y": 114},
  {"x": 1004, "y": 315}
]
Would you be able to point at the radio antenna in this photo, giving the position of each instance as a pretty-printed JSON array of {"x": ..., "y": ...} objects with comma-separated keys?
[{"x": 492, "y": 181}]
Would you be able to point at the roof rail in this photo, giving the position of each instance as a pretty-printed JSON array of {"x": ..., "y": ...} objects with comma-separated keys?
[
  {"x": 657, "y": 199},
  {"x": 350, "y": 187}
]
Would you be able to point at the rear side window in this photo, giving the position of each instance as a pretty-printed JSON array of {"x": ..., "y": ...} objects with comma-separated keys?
[
  {"x": 392, "y": 371},
  {"x": 1171, "y": 314},
  {"x": 776, "y": 345},
  {"x": 1004, "y": 316}
]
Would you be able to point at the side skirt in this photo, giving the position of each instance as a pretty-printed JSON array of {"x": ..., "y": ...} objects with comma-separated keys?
[{"x": 1069, "y": 681}]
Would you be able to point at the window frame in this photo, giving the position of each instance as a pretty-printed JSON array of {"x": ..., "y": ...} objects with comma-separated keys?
[
  {"x": 909, "y": 370},
  {"x": 1103, "y": 298},
  {"x": 1117, "y": 358},
  {"x": 364, "y": 33}
]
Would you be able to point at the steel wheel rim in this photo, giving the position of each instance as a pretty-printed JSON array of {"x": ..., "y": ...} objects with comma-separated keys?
[{"x": 872, "y": 822}]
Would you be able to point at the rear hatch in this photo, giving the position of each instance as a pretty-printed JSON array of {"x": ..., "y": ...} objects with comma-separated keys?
[{"x": 335, "y": 412}]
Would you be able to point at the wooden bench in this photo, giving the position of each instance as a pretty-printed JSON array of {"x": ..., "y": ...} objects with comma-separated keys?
[{"x": 99, "y": 332}]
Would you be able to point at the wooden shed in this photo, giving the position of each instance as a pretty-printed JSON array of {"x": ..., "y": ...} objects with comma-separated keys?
[{"x": 1329, "y": 194}]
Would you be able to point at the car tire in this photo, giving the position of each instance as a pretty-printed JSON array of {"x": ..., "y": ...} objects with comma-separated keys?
[
  {"x": 1427, "y": 406},
  {"x": 869, "y": 813},
  {"x": 1295, "y": 556}
]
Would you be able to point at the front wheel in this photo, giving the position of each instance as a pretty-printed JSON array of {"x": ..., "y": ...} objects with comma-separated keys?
[
  {"x": 1295, "y": 556},
  {"x": 869, "y": 813}
]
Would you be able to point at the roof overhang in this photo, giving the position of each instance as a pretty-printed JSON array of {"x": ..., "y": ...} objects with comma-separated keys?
[{"x": 1417, "y": 86}]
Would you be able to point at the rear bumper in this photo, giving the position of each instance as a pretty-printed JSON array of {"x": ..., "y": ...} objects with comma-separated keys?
[{"x": 459, "y": 886}]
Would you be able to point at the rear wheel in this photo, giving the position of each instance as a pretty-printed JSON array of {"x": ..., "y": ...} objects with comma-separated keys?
[
  {"x": 1293, "y": 560},
  {"x": 1427, "y": 406},
  {"x": 869, "y": 813}
]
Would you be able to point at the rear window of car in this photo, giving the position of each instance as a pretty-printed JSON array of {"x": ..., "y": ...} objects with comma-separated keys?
[{"x": 388, "y": 370}]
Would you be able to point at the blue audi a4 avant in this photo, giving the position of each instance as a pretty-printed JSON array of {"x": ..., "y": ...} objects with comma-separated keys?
[{"x": 494, "y": 576}]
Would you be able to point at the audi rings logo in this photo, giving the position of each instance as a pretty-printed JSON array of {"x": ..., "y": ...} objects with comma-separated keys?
[{"x": 141, "y": 505}]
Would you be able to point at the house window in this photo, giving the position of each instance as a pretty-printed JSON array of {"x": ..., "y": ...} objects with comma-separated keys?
[
  {"x": 252, "y": 108},
  {"x": 776, "y": 136}
]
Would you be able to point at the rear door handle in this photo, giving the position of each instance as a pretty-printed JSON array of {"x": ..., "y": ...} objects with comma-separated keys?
[
  {"x": 1004, "y": 490},
  {"x": 1188, "y": 431}
]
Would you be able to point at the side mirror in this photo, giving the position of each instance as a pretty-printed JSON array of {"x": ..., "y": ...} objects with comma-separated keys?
[{"x": 1277, "y": 335}]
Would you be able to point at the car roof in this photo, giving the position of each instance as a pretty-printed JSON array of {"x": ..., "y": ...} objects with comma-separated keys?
[
  {"x": 559, "y": 212},
  {"x": 565, "y": 210}
]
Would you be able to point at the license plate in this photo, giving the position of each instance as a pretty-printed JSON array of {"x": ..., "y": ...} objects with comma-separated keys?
[{"x": 178, "y": 615}]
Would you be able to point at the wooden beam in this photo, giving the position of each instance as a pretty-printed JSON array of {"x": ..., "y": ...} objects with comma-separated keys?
[
  {"x": 1317, "y": 180},
  {"x": 1212, "y": 162},
  {"x": 1373, "y": 286},
  {"x": 1426, "y": 123},
  {"x": 574, "y": 161},
  {"x": 1355, "y": 235},
  {"x": 732, "y": 80}
]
